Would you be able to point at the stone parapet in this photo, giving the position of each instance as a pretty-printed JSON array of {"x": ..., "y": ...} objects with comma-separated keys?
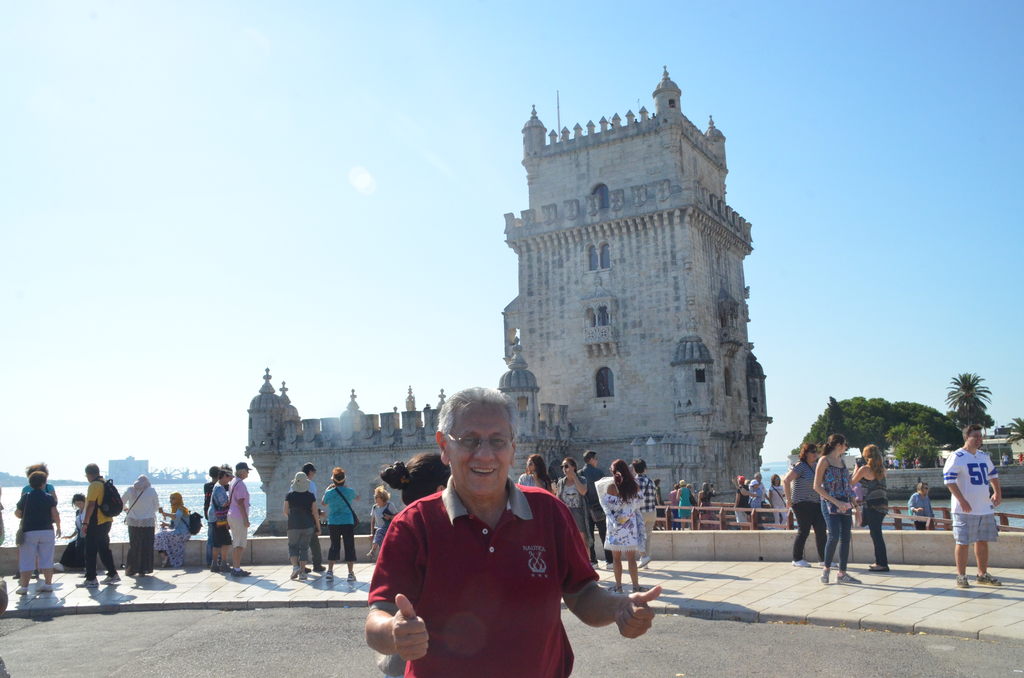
[{"x": 905, "y": 547}]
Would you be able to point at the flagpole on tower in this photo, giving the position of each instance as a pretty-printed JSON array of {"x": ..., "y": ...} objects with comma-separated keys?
[{"x": 558, "y": 108}]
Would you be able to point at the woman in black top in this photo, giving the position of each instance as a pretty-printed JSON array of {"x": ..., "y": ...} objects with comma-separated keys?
[
  {"x": 876, "y": 503},
  {"x": 38, "y": 513},
  {"x": 300, "y": 509}
]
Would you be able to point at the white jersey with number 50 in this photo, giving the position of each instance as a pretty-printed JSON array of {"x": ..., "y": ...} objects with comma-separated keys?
[{"x": 971, "y": 473}]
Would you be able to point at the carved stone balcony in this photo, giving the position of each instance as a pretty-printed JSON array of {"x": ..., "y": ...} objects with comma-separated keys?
[{"x": 602, "y": 340}]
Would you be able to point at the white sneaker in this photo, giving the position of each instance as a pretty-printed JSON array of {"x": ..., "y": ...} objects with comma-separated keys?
[
  {"x": 21, "y": 591},
  {"x": 44, "y": 588},
  {"x": 351, "y": 576},
  {"x": 801, "y": 563},
  {"x": 111, "y": 580},
  {"x": 644, "y": 562},
  {"x": 57, "y": 567}
]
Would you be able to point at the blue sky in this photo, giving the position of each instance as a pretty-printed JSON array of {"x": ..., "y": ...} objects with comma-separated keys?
[{"x": 192, "y": 192}]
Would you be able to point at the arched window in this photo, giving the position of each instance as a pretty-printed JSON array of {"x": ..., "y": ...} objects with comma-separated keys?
[
  {"x": 521, "y": 403},
  {"x": 592, "y": 257},
  {"x": 605, "y": 383},
  {"x": 591, "y": 318},
  {"x": 728, "y": 381},
  {"x": 606, "y": 256},
  {"x": 699, "y": 375},
  {"x": 602, "y": 316},
  {"x": 671, "y": 103},
  {"x": 601, "y": 191}
]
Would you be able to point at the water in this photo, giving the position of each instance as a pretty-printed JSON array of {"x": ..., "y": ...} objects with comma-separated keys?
[{"x": 191, "y": 494}]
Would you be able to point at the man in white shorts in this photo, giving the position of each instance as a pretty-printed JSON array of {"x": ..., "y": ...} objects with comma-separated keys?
[
  {"x": 968, "y": 473},
  {"x": 238, "y": 517}
]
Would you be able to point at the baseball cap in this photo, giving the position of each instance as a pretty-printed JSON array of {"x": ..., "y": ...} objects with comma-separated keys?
[{"x": 741, "y": 479}]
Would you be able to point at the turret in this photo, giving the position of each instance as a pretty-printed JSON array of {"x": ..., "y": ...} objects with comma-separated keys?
[
  {"x": 666, "y": 99},
  {"x": 755, "y": 391},
  {"x": 716, "y": 139},
  {"x": 352, "y": 417},
  {"x": 520, "y": 385},
  {"x": 265, "y": 415},
  {"x": 691, "y": 377},
  {"x": 533, "y": 135}
]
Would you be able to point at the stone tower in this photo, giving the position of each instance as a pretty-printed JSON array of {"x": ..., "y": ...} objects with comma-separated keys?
[{"x": 632, "y": 302}]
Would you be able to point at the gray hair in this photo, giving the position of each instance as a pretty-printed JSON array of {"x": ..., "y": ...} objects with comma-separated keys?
[{"x": 476, "y": 396}]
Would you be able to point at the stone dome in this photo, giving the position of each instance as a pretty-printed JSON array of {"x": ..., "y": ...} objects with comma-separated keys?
[
  {"x": 754, "y": 369},
  {"x": 518, "y": 378},
  {"x": 534, "y": 121},
  {"x": 691, "y": 350},
  {"x": 713, "y": 133},
  {"x": 291, "y": 413},
  {"x": 266, "y": 400},
  {"x": 666, "y": 84}
]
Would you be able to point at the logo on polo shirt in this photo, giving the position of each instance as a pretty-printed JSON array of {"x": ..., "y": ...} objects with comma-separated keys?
[{"x": 536, "y": 562}]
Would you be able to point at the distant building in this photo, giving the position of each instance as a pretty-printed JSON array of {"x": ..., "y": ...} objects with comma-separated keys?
[{"x": 124, "y": 471}]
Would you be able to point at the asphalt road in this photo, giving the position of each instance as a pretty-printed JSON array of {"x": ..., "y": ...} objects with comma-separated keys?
[{"x": 329, "y": 642}]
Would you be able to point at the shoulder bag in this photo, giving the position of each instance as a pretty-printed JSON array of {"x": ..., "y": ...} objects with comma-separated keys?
[{"x": 345, "y": 499}]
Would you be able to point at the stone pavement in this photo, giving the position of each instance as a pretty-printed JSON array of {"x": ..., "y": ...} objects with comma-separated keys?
[{"x": 917, "y": 599}]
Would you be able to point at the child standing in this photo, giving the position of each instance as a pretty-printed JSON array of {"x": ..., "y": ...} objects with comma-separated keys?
[
  {"x": 74, "y": 553},
  {"x": 380, "y": 517}
]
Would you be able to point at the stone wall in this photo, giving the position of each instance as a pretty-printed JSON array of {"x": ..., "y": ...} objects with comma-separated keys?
[{"x": 905, "y": 547}]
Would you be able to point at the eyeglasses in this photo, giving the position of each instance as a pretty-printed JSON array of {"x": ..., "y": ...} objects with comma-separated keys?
[{"x": 473, "y": 443}]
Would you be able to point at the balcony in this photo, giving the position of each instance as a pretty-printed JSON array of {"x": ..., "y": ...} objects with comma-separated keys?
[{"x": 602, "y": 340}]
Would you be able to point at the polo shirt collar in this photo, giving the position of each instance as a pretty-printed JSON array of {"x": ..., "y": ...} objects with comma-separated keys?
[{"x": 517, "y": 503}]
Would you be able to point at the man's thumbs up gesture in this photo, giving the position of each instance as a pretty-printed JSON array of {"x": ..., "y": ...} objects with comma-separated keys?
[
  {"x": 409, "y": 631},
  {"x": 634, "y": 617}
]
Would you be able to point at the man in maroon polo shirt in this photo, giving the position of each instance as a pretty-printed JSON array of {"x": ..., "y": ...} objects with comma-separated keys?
[{"x": 469, "y": 581}]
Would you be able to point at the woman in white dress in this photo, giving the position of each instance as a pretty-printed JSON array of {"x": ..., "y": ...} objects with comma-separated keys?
[{"x": 620, "y": 498}]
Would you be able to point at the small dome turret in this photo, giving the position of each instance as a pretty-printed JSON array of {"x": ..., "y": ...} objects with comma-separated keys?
[
  {"x": 266, "y": 400},
  {"x": 690, "y": 351},
  {"x": 533, "y": 134},
  {"x": 518, "y": 377},
  {"x": 713, "y": 133},
  {"x": 666, "y": 97},
  {"x": 754, "y": 369},
  {"x": 291, "y": 413}
]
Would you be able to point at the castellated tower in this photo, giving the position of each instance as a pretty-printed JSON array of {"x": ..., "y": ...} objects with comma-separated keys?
[{"x": 632, "y": 305}]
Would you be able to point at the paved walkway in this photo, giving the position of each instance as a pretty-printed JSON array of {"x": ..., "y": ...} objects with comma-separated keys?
[{"x": 917, "y": 599}]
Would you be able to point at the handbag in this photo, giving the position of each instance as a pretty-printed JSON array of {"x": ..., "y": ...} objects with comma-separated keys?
[{"x": 345, "y": 499}]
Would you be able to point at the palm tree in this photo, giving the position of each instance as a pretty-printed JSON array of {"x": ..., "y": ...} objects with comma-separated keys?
[
  {"x": 1016, "y": 430},
  {"x": 968, "y": 398}
]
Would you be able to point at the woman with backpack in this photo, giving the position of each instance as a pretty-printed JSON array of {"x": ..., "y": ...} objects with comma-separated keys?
[
  {"x": 141, "y": 505},
  {"x": 341, "y": 522},
  {"x": 171, "y": 539}
]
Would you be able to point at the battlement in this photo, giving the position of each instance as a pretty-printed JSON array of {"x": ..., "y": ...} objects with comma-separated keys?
[
  {"x": 624, "y": 203},
  {"x": 275, "y": 425},
  {"x": 580, "y": 138}
]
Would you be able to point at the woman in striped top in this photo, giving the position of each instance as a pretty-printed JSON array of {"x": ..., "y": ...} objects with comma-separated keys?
[{"x": 806, "y": 504}]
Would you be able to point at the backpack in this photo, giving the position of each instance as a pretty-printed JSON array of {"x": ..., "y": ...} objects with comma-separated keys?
[
  {"x": 195, "y": 522},
  {"x": 111, "y": 504}
]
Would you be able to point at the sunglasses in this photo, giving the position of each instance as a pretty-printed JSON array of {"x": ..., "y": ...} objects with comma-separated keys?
[{"x": 473, "y": 443}]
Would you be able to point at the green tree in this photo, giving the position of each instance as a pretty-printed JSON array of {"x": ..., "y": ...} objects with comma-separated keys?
[
  {"x": 1016, "y": 430},
  {"x": 868, "y": 420},
  {"x": 940, "y": 426},
  {"x": 969, "y": 400},
  {"x": 913, "y": 441}
]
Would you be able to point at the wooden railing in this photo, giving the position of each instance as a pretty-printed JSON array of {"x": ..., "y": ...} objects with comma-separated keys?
[{"x": 725, "y": 517}]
